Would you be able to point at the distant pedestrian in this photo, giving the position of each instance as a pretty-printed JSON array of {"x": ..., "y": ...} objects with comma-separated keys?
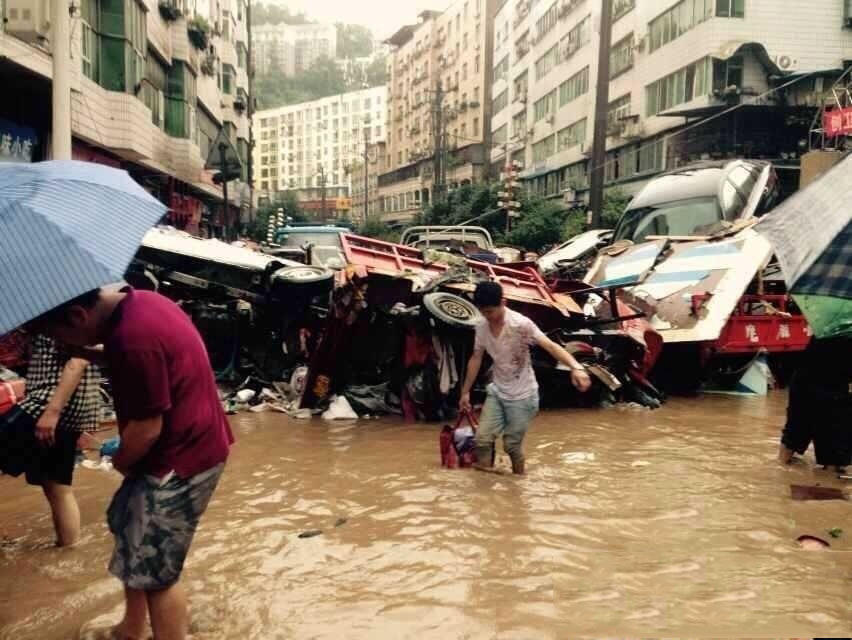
[
  {"x": 819, "y": 409},
  {"x": 512, "y": 400},
  {"x": 174, "y": 443},
  {"x": 41, "y": 432}
]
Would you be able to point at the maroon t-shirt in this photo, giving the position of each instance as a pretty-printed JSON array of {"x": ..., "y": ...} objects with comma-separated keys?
[{"x": 158, "y": 365}]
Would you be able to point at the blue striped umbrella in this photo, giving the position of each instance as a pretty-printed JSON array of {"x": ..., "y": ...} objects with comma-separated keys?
[
  {"x": 66, "y": 227},
  {"x": 812, "y": 236}
]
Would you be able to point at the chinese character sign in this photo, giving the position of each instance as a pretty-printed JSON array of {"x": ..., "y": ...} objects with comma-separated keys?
[
  {"x": 837, "y": 122},
  {"x": 16, "y": 143}
]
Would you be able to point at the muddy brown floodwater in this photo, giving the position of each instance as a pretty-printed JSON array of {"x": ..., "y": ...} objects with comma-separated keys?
[{"x": 674, "y": 522}]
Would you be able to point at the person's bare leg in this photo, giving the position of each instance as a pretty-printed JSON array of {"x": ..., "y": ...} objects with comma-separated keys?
[
  {"x": 65, "y": 512},
  {"x": 785, "y": 455},
  {"x": 132, "y": 626},
  {"x": 169, "y": 616}
]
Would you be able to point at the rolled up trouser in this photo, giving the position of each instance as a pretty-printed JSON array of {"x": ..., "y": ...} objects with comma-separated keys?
[{"x": 509, "y": 419}]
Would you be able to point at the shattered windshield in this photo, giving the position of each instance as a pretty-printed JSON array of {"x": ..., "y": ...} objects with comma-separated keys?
[
  {"x": 316, "y": 239},
  {"x": 693, "y": 217}
]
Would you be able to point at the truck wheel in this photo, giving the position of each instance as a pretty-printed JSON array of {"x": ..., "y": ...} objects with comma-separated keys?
[
  {"x": 452, "y": 310},
  {"x": 303, "y": 275}
]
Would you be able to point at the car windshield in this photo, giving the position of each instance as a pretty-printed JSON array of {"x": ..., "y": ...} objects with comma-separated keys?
[
  {"x": 692, "y": 217},
  {"x": 299, "y": 239}
]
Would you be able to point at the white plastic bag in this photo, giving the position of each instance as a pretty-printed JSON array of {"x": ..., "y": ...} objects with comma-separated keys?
[{"x": 339, "y": 409}]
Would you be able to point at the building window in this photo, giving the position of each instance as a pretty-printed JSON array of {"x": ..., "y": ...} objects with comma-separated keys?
[
  {"x": 181, "y": 101},
  {"x": 114, "y": 44},
  {"x": 571, "y": 136},
  {"x": 154, "y": 89},
  {"x": 621, "y": 56},
  {"x": 621, "y": 8},
  {"x": 727, "y": 73},
  {"x": 464, "y": 71},
  {"x": 684, "y": 16},
  {"x": 618, "y": 110},
  {"x": 543, "y": 149},
  {"x": 545, "y": 23},
  {"x": 545, "y": 63},
  {"x": 500, "y": 135},
  {"x": 476, "y": 64},
  {"x": 545, "y": 107},
  {"x": 574, "y": 87},
  {"x": 730, "y": 8},
  {"x": 576, "y": 38},
  {"x": 229, "y": 78},
  {"x": 501, "y": 69},
  {"x": 500, "y": 102},
  {"x": 519, "y": 124},
  {"x": 242, "y": 55},
  {"x": 683, "y": 85}
]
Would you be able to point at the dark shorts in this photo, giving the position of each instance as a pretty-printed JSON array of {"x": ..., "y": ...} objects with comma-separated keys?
[
  {"x": 153, "y": 521},
  {"x": 820, "y": 415},
  {"x": 22, "y": 453}
]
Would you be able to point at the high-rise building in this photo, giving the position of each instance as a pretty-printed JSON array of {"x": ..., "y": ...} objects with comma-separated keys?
[
  {"x": 675, "y": 71},
  {"x": 309, "y": 148},
  {"x": 153, "y": 84},
  {"x": 292, "y": 49},
  {"x": 439, "y": 106}
]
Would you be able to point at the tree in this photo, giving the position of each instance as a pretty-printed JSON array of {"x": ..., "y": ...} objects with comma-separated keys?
[
  {"x": 375, "y": 228},
  {"x": 257, "y": 230},
  {"x": 377, "y": 72},
  {"x": 261, "y": 13},
  {"x": 541, "y": 223},
  {"x": 353, "y": 41}
]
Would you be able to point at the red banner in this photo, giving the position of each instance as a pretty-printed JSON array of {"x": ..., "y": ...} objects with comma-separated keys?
[{"x": 837, "y": 122}]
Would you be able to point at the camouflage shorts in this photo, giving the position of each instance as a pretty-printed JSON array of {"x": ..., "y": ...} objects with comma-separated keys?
[{"x": 153, "y": 521}]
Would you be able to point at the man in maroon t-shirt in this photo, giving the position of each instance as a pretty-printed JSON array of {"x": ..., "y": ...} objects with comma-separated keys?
[{"x": 174, "y": 442}]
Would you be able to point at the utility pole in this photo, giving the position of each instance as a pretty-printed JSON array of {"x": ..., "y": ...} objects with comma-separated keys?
[
  {"x": 60, "y": 19},
  {"x": 226, "y": 217},
  {"x": 439, "y": 142},
  {"x": 322, "y": 190},
  {"x": 366, "y": 177},
  {"x": 250, "y": 112},
  {"x": 601, "y": 111},
  {"x": 508, "y": 197}
]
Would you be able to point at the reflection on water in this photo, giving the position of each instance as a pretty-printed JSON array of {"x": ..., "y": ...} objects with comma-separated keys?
[{"x": 676, "y": 521}]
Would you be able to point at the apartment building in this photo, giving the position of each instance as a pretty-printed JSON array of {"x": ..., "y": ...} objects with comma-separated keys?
[
  {"x": 375, "y": 160},
  {"x": 439, "y": 98},
  {"x": 676, "y": 67},
  {"x": 310, "y": 148},
  {"x": 153, "y": 84},
  {"x": 290, "y": 48}
]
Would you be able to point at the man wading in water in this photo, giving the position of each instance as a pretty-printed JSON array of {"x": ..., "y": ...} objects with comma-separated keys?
[{"x": 512, "y": 399}]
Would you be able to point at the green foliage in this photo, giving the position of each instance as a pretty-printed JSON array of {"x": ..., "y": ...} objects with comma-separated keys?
[
  {"x": 541, "y": 223},
  {"x": 615, "y": 202},
  {"x": 324, "y": 78},
  {"x": 261, "y": 13},
  {"x": 374, "y": 228},
  {"x": 258, "y": 228},
  {"x": 353, "y": 41},
  {"x": 377, "y": 72}
]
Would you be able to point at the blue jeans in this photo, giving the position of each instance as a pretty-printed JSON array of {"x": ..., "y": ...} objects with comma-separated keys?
[{"x": 509, "y": 419}]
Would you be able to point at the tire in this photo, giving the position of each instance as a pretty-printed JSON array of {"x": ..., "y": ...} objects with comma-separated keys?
[
  {"x": 451, "y": 310},
  {"x": 307, "y": 274}
]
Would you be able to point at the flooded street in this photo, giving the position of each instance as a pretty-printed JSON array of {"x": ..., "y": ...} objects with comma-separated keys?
[{"x": 676, "y": 521}]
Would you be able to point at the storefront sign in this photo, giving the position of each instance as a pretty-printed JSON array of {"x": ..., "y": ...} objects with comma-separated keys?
[
  {"x": 837, "y": 122},
  {"x": 16, "y": 142}
]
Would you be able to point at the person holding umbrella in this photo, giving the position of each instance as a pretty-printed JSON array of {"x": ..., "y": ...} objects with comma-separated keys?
[{"x": 66, "y": 230}]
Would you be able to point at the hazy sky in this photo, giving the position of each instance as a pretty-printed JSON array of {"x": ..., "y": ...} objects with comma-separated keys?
[{"x": 383, "y": 17}]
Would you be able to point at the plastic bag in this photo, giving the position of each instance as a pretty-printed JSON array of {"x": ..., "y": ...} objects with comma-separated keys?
[{"x": 339, "y": 409}]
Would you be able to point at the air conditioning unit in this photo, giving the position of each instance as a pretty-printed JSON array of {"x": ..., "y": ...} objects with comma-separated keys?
[
  {"x": 551, "y": 120},
  {"x": 28, "y": 20}
]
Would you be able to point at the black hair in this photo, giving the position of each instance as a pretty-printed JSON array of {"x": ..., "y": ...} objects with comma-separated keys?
[
  {"x": 60, "y": 313},
  {"x": 488, "y": 294}
]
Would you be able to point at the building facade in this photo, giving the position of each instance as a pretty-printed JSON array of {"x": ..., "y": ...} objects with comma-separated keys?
[
  {"x": 291, "y": 49},
  {"x": 371, "y": 164},
  {"x": 309, "y": 149},
  {"x": 675, "y": 68},
  {"x": 152, "y": 86},
  {"x": 439, "y": 106}
]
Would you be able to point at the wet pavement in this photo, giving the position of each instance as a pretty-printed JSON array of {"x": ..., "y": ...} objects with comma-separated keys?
[{"x": 676, "y": 522}]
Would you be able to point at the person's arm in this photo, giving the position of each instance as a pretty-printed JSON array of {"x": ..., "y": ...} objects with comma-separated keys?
[
  {"x": 579, "y": 376},
  {"x": 473, "y": 366},
  {"x": 137, "y": 438},
  {"x": 45, "y": 431},
  {"x": 92, "y": 354}
]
